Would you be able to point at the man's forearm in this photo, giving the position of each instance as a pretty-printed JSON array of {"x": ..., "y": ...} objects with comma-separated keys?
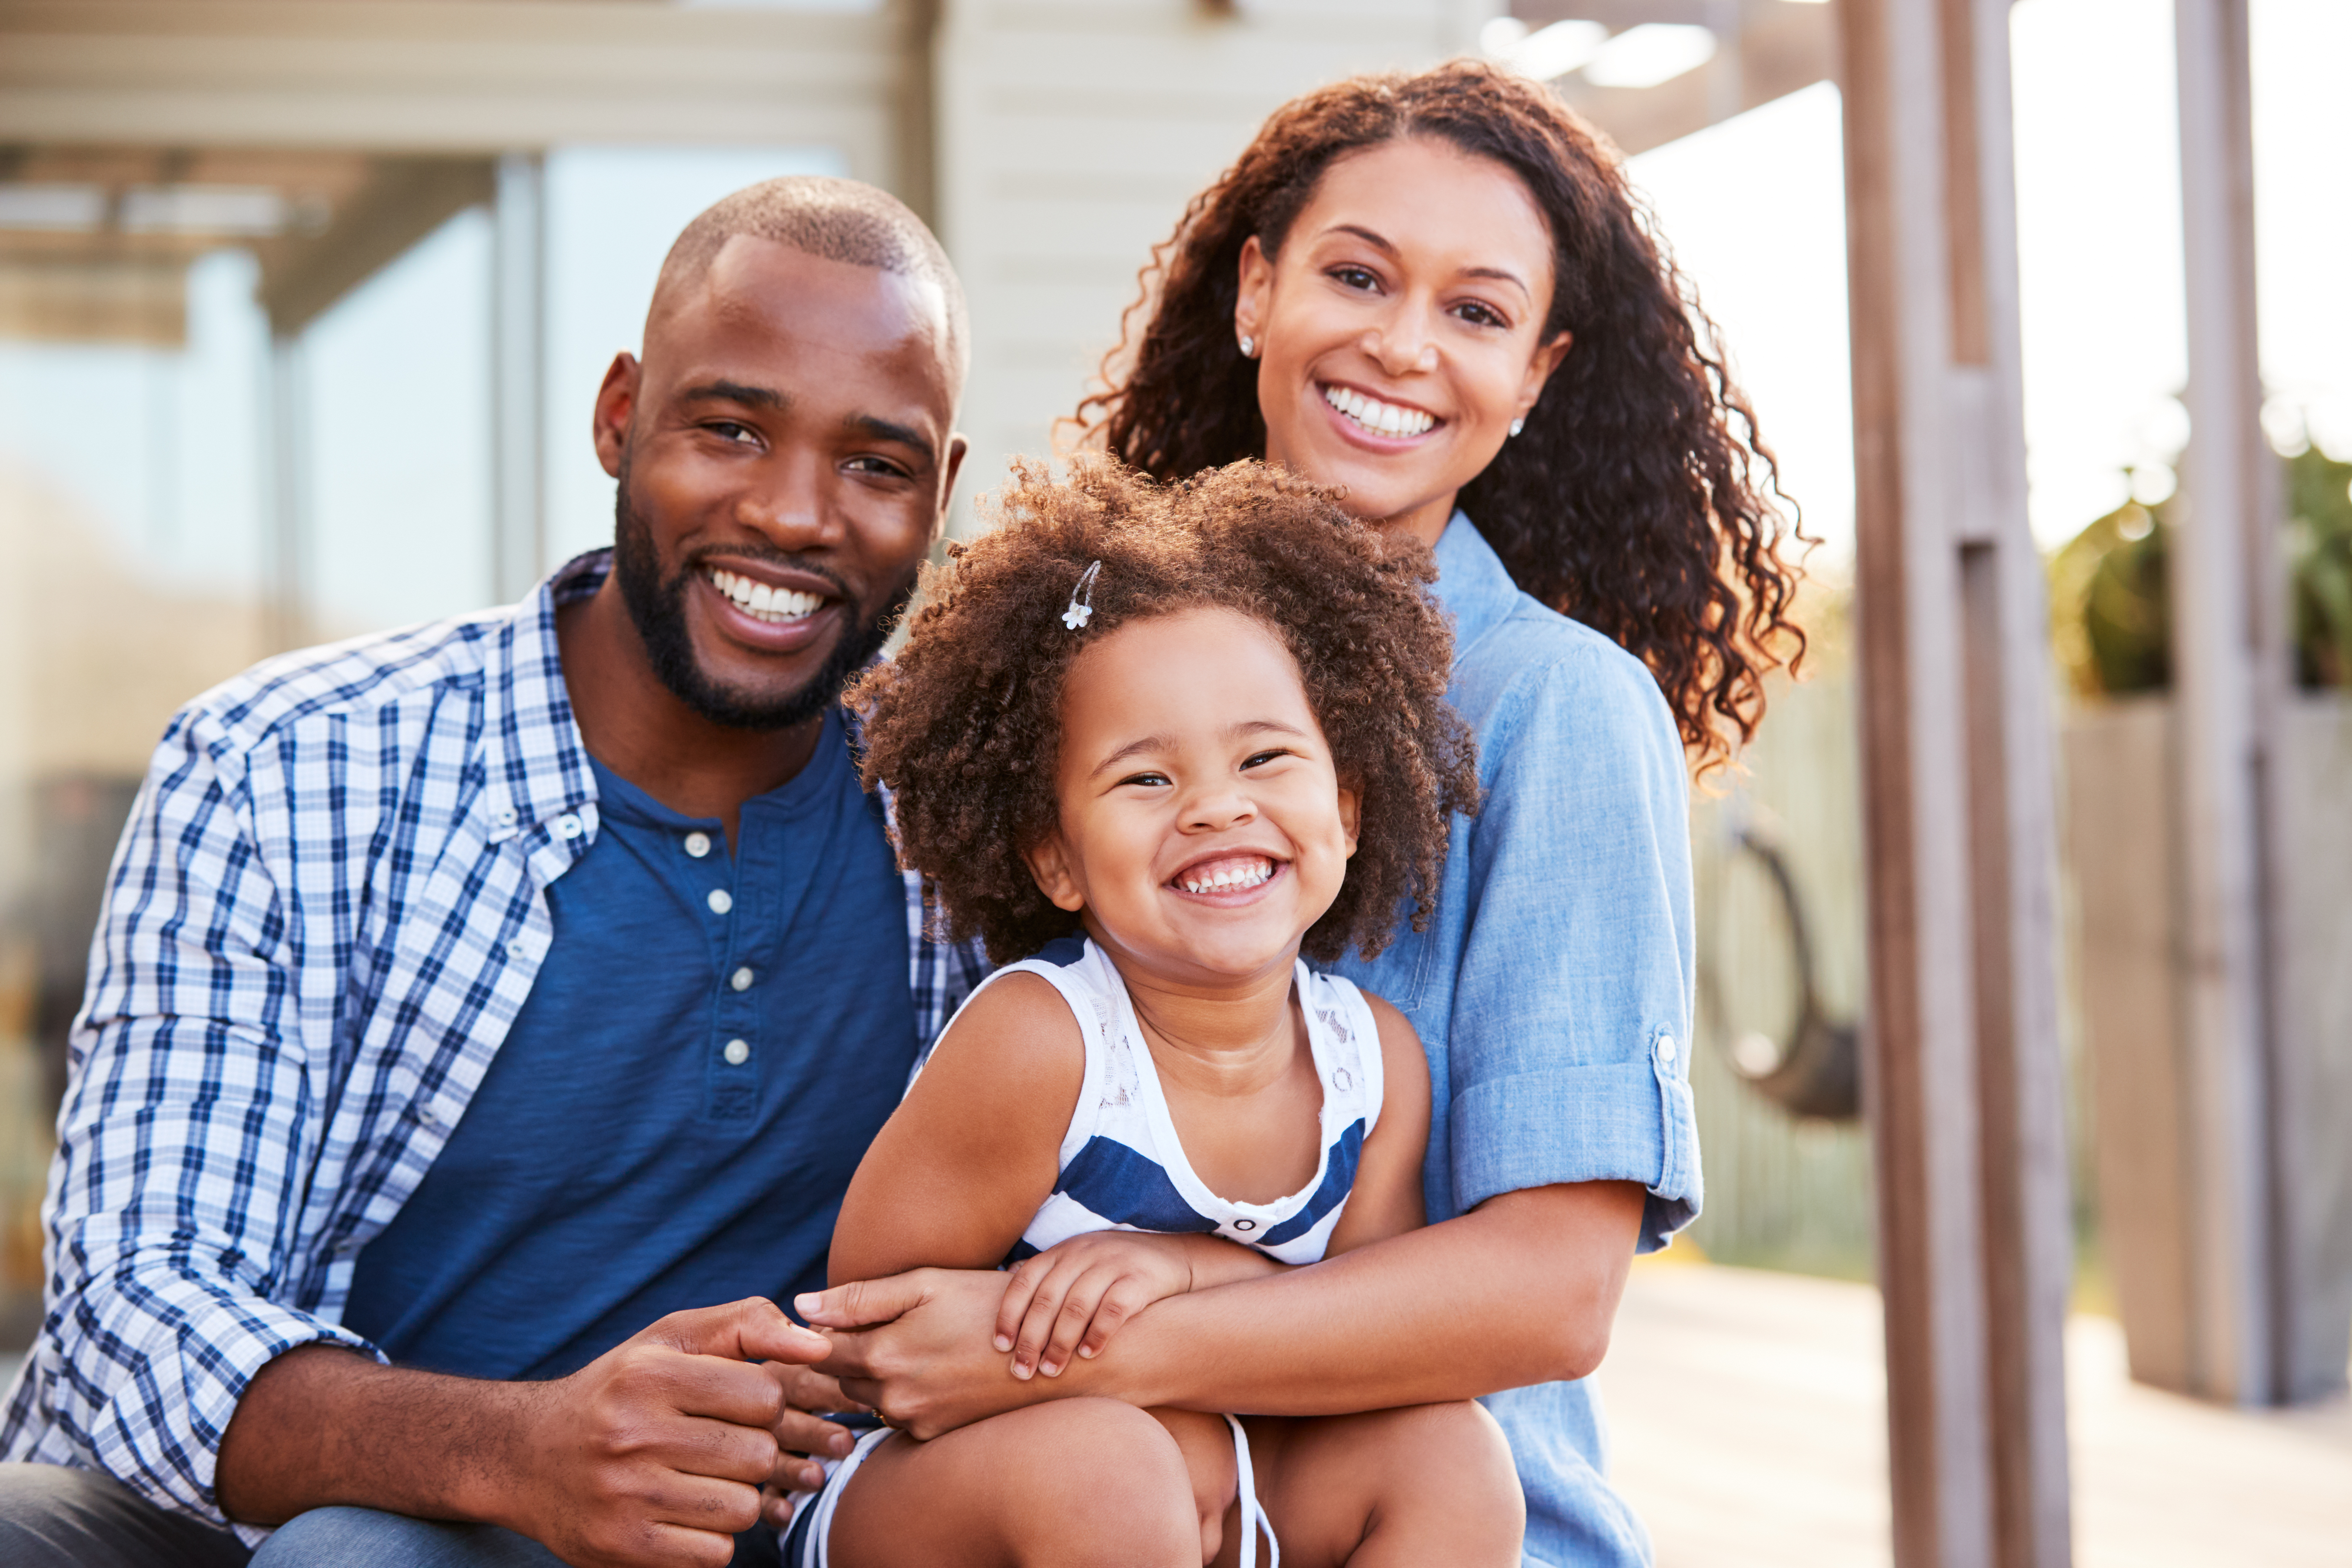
[{"x": 322, "y": 1426}]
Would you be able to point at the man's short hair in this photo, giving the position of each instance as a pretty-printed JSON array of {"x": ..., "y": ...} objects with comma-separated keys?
[{"x": 840, "y": 220}]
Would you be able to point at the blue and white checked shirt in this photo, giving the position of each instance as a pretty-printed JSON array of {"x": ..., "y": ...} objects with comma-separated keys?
[{"x": 327, "y": 908}]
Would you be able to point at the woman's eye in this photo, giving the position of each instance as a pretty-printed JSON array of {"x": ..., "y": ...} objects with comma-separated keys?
[
  {"x": 1355, "y": 277},
  {"x": 1479, "y": 315}
]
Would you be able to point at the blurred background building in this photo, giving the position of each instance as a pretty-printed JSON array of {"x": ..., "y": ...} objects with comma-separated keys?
[{"x": 303, "y": 304}]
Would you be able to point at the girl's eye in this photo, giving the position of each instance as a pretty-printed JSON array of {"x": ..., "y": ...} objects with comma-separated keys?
[
  {"x": 1355, "y": 277},
  {"x": 1149, "y": 781},
  {"x": 1264, "y": 757}
]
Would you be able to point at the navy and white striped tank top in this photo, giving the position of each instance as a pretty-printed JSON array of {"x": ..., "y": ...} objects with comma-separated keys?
[{"x": 1122, "y": 1167}]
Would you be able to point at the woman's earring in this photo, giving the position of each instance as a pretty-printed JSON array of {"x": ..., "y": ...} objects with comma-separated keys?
[
  {"x": 1518, "y": 425},
  {"x": 1249, "y": 346}
]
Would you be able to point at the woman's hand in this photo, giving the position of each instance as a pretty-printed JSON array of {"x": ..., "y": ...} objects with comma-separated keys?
[{"x": 919, "y": 1348}]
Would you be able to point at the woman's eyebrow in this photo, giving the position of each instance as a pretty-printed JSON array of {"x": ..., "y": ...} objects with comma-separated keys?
[{"x": 1380, "y": 243}]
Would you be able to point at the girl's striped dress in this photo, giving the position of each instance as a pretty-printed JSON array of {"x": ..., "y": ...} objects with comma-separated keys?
[{"x": 1122, "y": 1167}]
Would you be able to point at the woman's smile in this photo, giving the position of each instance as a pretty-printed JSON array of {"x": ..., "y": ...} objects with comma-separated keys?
[{"x": 1385, "y": 421}]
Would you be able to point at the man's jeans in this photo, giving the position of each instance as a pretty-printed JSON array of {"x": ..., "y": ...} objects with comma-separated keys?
[{"x": 52, "y": 1517}]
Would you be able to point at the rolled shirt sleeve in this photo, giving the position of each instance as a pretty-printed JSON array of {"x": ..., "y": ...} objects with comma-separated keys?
[
  {"x": 181, "y": 1146},
  {"x": 1569, "y": 1015}
]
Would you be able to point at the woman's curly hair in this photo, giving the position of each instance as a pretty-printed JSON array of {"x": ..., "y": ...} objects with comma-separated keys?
[
  {"x": 1638, "y": 500},
  {"x": 963, "y": 726}
]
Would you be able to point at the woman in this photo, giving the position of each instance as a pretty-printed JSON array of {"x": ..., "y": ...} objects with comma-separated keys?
[{"x": 1437, "y": 292}]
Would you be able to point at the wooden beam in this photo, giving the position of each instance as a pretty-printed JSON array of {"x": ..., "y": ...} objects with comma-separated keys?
[
  {"x": 453, "y": 76},
  {"x": 2230, "y": 680},
  {"x": 406, "y": 199},
  {"x": 1962, "y": 1079}
]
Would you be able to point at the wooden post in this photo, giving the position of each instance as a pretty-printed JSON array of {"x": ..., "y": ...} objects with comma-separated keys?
[
  {"x": 2229, "y": 678},
  {"x": 1961, "y": 1073},
  {"x": 518, "y": 376}
]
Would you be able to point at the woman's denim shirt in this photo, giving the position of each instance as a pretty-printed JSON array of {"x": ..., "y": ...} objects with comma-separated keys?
[{"x": 1553, "y": 987}]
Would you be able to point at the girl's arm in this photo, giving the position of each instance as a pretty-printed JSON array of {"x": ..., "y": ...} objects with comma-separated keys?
[
  {"x": 962, "y": 1164},
  {"x": 1072, "y": 1299},
  {"x": 1386, "y": 1198}
]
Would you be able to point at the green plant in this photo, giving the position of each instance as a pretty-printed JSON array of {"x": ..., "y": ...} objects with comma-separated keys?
[{"x": 2110, "y": 615}]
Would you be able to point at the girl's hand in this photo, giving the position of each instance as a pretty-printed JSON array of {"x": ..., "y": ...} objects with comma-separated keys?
[{"x": 1075, "y": 1295}]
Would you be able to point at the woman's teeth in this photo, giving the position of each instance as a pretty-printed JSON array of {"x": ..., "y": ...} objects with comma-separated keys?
[
  {"x": 1232, "y": 875},
  {"x": 1381, "y": 418},
  {"x": 765, "y": 603}
]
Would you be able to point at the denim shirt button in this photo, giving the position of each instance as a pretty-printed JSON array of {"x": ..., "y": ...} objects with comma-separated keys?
[{"x": 1666, "y": 1051}]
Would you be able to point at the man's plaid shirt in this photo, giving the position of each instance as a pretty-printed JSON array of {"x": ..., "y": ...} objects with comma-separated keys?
[{"x": 327, "y": 909}]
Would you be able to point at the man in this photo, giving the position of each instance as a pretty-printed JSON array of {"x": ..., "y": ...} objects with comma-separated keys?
[{"x": 478, "y": 1004}]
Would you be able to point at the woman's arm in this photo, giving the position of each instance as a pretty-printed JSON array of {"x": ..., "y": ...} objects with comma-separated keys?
[
  {"x": 960, "y": 1169},
  {"x": 1521, "y": 1290}
]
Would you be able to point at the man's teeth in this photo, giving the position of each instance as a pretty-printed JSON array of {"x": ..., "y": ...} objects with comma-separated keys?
[
  {"x": 764, "y": 602},
  {"x": 1229, "y": 878},
  {"x": 1384, "y": 418}
]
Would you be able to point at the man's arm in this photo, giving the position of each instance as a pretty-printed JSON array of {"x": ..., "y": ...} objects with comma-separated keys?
[
  {"x": 655, "y": 1453},
  {"x": 1521, "y": 1290}
]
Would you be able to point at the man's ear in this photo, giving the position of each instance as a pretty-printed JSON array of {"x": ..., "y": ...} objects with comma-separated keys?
[
  {"x": 958, "y": 448},
  {"x": 1049, "y": 863},
  {"x": 1351, "y": 816},
  {"x": 616, "y": 406}
]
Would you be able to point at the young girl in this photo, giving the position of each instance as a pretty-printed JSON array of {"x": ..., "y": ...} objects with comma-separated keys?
[{"x": 1165, "y": 740}]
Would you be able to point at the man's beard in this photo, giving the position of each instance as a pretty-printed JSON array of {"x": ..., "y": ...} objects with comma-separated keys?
[{"x": 658, "y": 609}]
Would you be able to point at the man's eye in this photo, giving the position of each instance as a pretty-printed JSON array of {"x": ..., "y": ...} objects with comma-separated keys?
[
  {"x": 728, "y": 430},
  {"x": 872, "y": 465}
]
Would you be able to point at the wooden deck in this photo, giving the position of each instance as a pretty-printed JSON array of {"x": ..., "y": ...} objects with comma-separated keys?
[{"x": 1748, "y": 1414}]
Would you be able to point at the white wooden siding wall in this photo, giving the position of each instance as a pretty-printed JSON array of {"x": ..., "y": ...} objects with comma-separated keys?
[{"x": 1071, "y": 134}]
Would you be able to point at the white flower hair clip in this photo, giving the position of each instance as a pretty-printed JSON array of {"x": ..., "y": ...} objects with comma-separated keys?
[{"x": 1082, "y": 599}]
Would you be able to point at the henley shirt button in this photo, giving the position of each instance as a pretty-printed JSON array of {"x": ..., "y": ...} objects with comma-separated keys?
[
  {"x": 1666, "y": 1049},
  {"x": 507, "y": 817},
  {"x": 741, "y": 978},
  {"x": 737, "y": 1053},
  {"x": 698, "y": 845},
  {"x": 722, "y": 900},
  {"x": 568, "y": 826}
]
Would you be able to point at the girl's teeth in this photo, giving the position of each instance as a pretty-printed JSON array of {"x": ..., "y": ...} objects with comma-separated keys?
[{"x": 1231, "y": 876}]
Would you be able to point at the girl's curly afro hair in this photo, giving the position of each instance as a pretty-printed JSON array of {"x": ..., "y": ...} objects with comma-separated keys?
[{"x": 963, "y": 725}]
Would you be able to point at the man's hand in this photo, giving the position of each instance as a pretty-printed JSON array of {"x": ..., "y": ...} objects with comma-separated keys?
[
  {"x": 654, "y": 1453},
  {"x": 804, "y": 1435},
  {"x": 926, "y": 1357}
]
